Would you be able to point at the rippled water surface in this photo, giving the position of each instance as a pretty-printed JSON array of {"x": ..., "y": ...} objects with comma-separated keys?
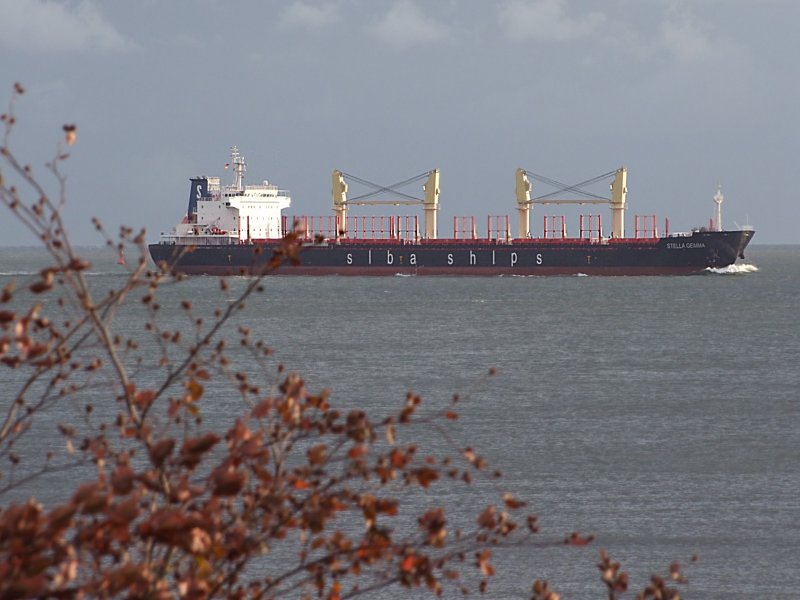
[{"x": 659, "y": 413}]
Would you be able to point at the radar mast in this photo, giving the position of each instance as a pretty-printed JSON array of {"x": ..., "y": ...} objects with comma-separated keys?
[
  {"x": 239, "y": 167},
  {"x": 718, "y": 198}
]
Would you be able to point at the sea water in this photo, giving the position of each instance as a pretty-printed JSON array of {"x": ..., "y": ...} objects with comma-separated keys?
[{"x": 660, "y": 414}]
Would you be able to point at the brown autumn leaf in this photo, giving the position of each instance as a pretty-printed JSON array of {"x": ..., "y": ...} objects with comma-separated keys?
[
  {"x": 36, "y": 350},
  {"x": 125, "y": 512},
  {"x": 122, "y": 479},
  {"x": 227, "y": 480},
  {"x": 335, "y": 593},
  {"x": 512, "y": 502},
  {"x": 60, "y": 518},
  {"x": 193, "y": 448},
  {"x": 408, "y": 564},
  {"x": 533, "y": 523},
  {"x": 425, "y": 476},
  {"x": 487, "y": 519},
  {"x": 143, "y": 398},
  {"x": 96, "y": 501},
  {"x": 262, "y": 408},
  {"x": 77, "y": 264},
  {"x": 386, "y": 506},
  {"x": 8, "y": 292},
  {"x": 357, "y": 452},
  {"x": 264, "y": 476},
  {"x": 482, "y": 559},
  {"x": 575, "y": 539},
  {"x": 70, "y": 133},
  {"x": 433, "y": 523},
  {"x": 194, "y": 391},
  {"x": 85, "y": 491},
  {"x": 542, "y": 591},
  {"x": 620, "y": 584},
  {"x": 676, "y": 574},
  {"x": 390, "y": 434},
  {"x": 123, "y": 577},
  {"x": 166, "y": 525},
  {"x": 399, "y": 458},
  {"x": 200, "y": 444},
  {"x": 40, "y": 287},
  {"x": 317, "y": 454},
  {"x": 160, "y": 451}
]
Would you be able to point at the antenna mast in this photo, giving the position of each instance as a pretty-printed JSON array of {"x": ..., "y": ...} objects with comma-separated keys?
[
  {"x": 239, "y": 167},
  {"x": 718, "y": 198}
]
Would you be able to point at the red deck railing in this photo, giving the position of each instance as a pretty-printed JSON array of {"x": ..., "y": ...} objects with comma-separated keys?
[
  {"x": 406, "y": 228},
  {"x": 591, "y": 227},
  {"x": 645, "y": 227},
  {"x": 376, "y": 227},
  {"x": 554, "y": 226},
  {"x": 464, "y": 228},
  {"x": 498, "y": 228}
]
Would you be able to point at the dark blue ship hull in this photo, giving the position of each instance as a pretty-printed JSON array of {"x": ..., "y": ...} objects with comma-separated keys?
[{"x": 676, "y": 255}]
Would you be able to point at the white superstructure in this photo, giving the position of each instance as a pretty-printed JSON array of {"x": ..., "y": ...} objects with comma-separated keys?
[{"x": 230, "y": 214}]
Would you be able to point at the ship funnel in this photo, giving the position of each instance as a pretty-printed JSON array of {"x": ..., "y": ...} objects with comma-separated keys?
[
  {"x": 523, "y": 189},
  {"x": 431, "y": 203},
  {"x": 197, "y": 191}
]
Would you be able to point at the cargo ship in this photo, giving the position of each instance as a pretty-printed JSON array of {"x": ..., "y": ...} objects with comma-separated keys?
[{"x": 234, "y": 230}]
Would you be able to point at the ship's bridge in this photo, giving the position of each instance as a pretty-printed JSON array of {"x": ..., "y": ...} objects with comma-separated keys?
[{"x": 235, "y": 213}]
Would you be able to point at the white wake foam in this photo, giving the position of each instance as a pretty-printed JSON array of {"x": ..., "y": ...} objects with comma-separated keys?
[{"x": 734, "y": 269}]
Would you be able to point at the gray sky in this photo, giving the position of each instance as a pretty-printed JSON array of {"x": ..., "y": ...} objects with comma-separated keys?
[{"x": 686, "y": 94}]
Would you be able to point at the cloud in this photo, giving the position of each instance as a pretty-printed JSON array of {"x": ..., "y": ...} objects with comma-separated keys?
[
  {"x": 546, "y": 20},
  {"x": 406, "y": 25},
  {"x": 688, "y": 40},
  {"x": 53, "y": 26},
  {"x": 302, "y": 15}
]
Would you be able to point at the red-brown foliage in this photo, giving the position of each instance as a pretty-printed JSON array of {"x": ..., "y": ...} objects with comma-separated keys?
[{"x": 294, "y": 498}]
